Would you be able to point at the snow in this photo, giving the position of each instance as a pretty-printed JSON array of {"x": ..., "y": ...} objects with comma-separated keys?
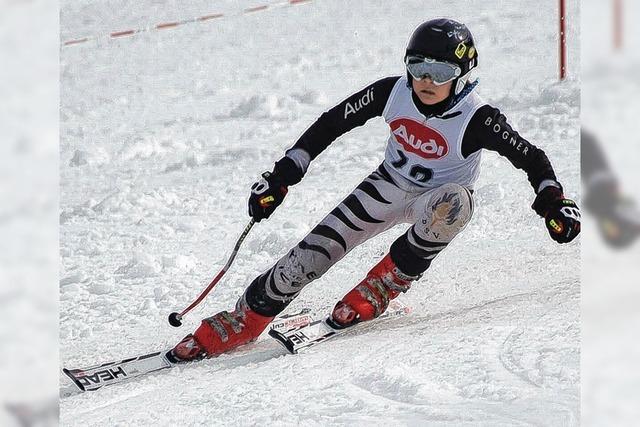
[
  {"x": 156, "y": 133},
  {"x": 28, "y": 223},
  {"x": 162, "y": 135},
  {"x": 610, "y": 316}
]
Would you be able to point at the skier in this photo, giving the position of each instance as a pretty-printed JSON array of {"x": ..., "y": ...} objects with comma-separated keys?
[
  {"x": 438, "y": 127},
  {"x": 617, "y": 215}
]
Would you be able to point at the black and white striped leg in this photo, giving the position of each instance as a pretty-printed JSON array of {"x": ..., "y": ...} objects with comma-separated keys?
[{"x": 373, "y": 207}]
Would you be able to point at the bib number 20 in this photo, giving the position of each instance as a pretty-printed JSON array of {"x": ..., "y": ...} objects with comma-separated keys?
[{"x": 417, "y": 172}]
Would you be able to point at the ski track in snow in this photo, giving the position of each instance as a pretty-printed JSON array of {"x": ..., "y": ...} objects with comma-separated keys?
[
  {"x": 404, "y": 386},
  {"x": 162, "y": 135}
]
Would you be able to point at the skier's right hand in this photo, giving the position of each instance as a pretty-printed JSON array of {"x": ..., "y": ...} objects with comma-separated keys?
[{"x": 266, "y": 195}]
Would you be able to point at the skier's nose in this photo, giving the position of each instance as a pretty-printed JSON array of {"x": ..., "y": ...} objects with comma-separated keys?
[
  {"x": 426, "y": 81},
  {"x": 429, "y": 81}
]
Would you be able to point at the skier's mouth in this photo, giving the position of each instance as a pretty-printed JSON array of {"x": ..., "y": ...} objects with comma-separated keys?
[{"x": 428, "y": 92}]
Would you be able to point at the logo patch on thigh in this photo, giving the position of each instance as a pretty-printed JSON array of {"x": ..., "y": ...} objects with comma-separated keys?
[
  {"x": 443, "y": 222},
  {"x": 446, "y": 210}
]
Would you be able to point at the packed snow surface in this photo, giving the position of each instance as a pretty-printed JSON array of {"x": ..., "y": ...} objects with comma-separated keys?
[
  {"x": 28, "y": 210},
  {"x": 163, "y": 133}
]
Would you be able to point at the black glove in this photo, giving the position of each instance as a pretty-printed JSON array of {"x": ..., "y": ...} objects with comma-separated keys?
[
  {"x": 268, "y": 193},
  {"x": 561, "y": 215}
]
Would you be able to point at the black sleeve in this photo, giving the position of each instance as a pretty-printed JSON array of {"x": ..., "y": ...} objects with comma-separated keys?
[
  {"x": 354, "y": 111},
  {"x": 592, "y": 158},
  {"x": 489, "y": 129}
]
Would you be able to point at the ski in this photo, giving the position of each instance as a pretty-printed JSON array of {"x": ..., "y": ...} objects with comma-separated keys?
[
  {"x": 301, "y": 338},
  {"x": 94, "y": 377}
]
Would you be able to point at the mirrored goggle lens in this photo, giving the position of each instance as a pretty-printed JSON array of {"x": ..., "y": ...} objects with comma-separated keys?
[{"x": 439, "y": 72}]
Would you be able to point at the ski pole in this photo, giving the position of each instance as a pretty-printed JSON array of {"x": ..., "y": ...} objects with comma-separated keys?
[{"x": 175, "y": 319}]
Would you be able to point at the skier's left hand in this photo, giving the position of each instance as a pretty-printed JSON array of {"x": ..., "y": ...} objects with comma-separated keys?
[{"x": 561, "y": 215}]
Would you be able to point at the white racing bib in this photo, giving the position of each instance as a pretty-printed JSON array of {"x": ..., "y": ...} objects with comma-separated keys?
[{"x": 427, "y": 152}]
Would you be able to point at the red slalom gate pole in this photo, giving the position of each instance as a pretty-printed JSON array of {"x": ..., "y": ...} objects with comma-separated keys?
[
  {"x": 618, "y": 25},
  {"x": 563, "y": 41},
  {"x": 175, "y": 319}
]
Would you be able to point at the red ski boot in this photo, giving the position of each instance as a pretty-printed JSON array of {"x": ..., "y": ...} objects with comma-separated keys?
[
  {"x": 186, "y": 350},
  {"x": 221, "y": 333},
  {"x": 370, "y": 298}
]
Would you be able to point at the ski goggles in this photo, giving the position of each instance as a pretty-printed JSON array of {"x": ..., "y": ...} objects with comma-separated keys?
[{"x": 438, "y": 71}]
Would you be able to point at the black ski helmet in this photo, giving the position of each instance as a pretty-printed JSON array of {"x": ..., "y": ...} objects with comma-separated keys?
[{"x": 445, "y": 40}]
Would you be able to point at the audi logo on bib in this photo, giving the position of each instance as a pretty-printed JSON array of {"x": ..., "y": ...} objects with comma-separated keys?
[{"x": 419, "y": 139}]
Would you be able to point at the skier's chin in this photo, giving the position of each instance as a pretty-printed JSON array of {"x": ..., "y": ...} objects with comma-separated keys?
[{"x": 428, "y": 97}]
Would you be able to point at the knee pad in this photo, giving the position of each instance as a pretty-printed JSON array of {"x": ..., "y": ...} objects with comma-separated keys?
[{"x": 447, "y": 212}]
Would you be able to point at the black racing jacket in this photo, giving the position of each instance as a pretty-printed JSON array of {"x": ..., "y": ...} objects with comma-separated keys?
[{"x": 488, "y": 129}]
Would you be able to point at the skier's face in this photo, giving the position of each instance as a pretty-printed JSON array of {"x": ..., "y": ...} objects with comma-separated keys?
[{"x": 429, "y": 93}]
